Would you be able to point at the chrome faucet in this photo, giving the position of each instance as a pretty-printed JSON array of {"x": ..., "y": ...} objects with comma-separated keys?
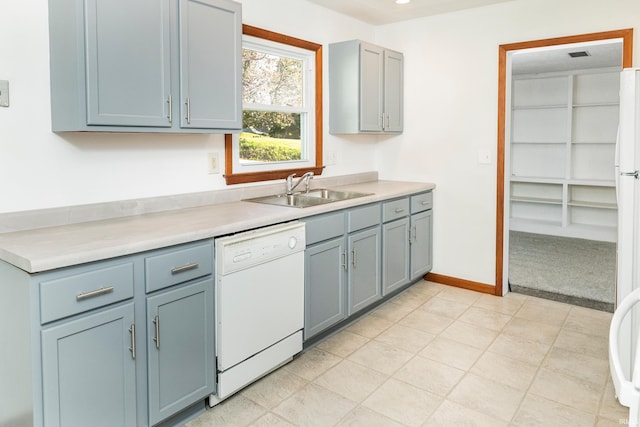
[{"x": 291, "y": 186}]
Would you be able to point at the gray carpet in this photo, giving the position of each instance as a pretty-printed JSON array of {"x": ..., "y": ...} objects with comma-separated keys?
[{"x": 577, "y": 271}]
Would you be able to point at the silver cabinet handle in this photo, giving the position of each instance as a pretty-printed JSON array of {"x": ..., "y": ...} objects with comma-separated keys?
[
  {"x": 353, "y": 258},
  {"x": 170, "y": 115},
  {"x": 344, "y": 260},
  {"x": 424, "y": 202},
  {"x": 97, "y": 292},
  {"x": 399, "y": 210},
  {"x": 156, "y": 322},
  {"x": 188, "y": 103},
  {"x": 185, "y": 267},
  {"x": 132, "y": 349}
]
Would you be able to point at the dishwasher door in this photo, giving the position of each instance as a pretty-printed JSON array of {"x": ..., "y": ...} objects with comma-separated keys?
[{"x": 257, "y": 307}]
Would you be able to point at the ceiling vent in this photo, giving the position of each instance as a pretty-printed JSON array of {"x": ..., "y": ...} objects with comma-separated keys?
[{"x": 579, "y": 54}]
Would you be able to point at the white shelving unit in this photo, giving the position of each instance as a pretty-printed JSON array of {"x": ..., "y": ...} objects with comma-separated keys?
[{"x": 563, "y": 134}]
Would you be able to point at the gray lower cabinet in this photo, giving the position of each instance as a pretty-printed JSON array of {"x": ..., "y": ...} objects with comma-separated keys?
[
  {"x": 421, "y": 243},
  {"x": 180, "y": 348},
  {"x": 145, "y": 65},
  {"x": 364, "y": 268},
  {"x": 395, "y": 244},
  {"x": 342, "y": 266},
  {"x": 325, "y": 286},
  {"x": 89, "y": 370}
]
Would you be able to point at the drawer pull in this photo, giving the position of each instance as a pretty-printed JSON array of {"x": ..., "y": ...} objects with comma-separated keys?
[
  {"x": 95, "y": 293},
  {"x": 399, "y": 210},
  {"x": 424, "y": 202},
  {"x": 187, "y": 267}
]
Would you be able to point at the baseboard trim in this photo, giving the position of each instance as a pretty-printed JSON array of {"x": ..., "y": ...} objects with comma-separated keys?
[{"x": 460, "y": 283}]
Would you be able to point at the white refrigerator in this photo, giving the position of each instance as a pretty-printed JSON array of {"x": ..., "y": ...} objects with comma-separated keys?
[{"x": 623, "y": 338}]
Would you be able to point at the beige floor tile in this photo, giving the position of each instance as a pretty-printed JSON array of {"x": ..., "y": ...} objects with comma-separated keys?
[
  {"x": 392, "y": 311},
  {"x": 343, "y": 343},
  {"x": 577, "y": 393},
  {"x": 426, "y": 322},
  {"x": 452, "y": 353},
  {"x": 314, "y": 406},
  {"x": 589, "y": 322},
  {"x": 381, "y": 357},
  {"x": 428, "y": 288},
  {"x": 577, "y": 365},
  {"x": 485, "y": 318},
  {"x": 312, "y": 363},
  {"x": 411, "y": 298},
  {"x": 234, "y": 411},
  {"x": 351, "y": 380},
  {"x": 269, "y": 419},
  {"x": 274, "y": 388},
  {"x": 508, "y": 304},
  {"x": 543, "y": 312},
  {"x": 464, "y": 296},
  {"x": 610, "y": 407},
  {"x": 444, "y": 307},
  {"x": 369, "y": 326},
  {"x": 520, "y": 348},
  {"x": 605, "y": 422},
  {"x": 588, "y": 345},
  {"x": 487, "y": 396},
  {"x": 452, "y": 414},
  {"x": 403, "y": 402},
  {"x": 505, "y": 370},
  {"x": 405, "y": 338},
  {"x": 538, "y": 411},
  {"x": 429, "y": 375},
  {"x": 467, "y": 333},
  {"x": 531, "y": 330},
  {"x": 365, "y": 417}
]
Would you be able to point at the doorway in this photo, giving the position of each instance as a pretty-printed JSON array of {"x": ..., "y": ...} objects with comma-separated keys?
[{"x": 547, "y": 200}]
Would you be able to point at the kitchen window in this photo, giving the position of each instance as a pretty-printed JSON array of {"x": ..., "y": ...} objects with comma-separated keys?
[{"x": 282, "y": 109}]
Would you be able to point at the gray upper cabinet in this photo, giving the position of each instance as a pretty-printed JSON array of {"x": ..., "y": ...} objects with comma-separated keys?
[
  {"x": 365, "y": 88},
  {"x": 145, "y": 65}
]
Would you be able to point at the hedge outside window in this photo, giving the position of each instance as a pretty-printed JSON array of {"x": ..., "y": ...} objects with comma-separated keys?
[{"x": 282, "y": 109}]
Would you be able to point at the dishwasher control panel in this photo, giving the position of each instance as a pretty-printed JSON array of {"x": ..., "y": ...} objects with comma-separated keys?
[{"x": 253, "y": 247}]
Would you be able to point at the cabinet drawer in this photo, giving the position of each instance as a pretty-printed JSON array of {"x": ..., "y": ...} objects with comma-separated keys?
[
  {"x": 360, "y": 218},
  {"x": 324, "y": 227},
  {"x": 176, "y": 265},
  {"x": 421, "y": 202},
  {"x": 395, "y": 209},
  {"x": 85, "y": 291}
]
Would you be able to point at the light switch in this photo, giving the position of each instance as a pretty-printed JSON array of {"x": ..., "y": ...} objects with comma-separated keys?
[
  {"x": 4, "y": 93},
  {"x": 484, "y": 158}
]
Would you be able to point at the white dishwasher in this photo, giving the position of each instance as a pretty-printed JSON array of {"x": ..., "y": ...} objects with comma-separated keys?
[{"x": 259, "y": 303}]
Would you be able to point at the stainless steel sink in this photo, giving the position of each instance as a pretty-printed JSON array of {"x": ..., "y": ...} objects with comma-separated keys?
[
  {"x": 316, "y": 197},
  {"x": 335, "y": 195},
  {"x": 294, "y": 200}
]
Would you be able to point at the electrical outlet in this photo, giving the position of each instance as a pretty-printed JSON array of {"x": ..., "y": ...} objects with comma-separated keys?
[
  {"x": 4, "y": 93},
  {"x": 484, "y": 157},
  {"x": 332, "y": 157},
  {"x": 214, "y": 163}
]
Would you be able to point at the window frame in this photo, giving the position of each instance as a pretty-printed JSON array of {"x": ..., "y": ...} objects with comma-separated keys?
[{"x": 245, "y": 177}]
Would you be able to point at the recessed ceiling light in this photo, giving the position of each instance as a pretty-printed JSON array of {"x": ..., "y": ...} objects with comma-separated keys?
[{"x": 402, "y": 1}]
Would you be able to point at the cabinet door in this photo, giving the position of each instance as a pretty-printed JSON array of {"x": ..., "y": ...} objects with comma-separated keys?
[
  {"x": 128, "y": 62},
  {"x": 395, "y": 254},
  {"x": 88, "y": 371},
  {"x": 393, "y": 91},
  {"x": 421, "y": 241},
  {"x": 371, "y": 86},
  {"x": 364, "y": 269},
  {"x": 210, "y": 55},
  {"x": 325, "y": 292},
  {"x": 181, "y": 354}
]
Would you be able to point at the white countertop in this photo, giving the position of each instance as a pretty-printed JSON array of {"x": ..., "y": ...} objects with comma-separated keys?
[{"x": 49, "y": 248}]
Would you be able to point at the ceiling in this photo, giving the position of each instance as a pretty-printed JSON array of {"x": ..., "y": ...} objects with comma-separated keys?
[
  {"x": 379, "y": 12},
  {"x": 602, "y": 54}
]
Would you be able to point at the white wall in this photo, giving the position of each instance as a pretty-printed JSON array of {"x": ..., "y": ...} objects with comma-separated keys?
[
  {"x": 40, "y": 169},
  {"x": 450, "y": 106},
  {"x": 451, "y": 83}
]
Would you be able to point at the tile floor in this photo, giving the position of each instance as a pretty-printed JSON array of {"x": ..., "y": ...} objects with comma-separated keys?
[{"x": 442, "y": 356}]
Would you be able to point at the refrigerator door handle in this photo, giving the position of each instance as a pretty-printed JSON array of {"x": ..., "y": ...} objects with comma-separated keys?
[{"x": 633, "y": 174}]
